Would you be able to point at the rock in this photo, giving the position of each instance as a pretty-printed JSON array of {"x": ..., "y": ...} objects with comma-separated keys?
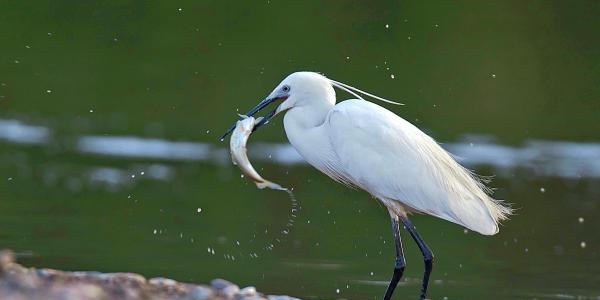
[
  {"x": 19, "y": 283},
  {"x": 201, "y": 293},
  {"x": 248, "y": 291},
  {"x": 230, "y": 291},
  {"x": 7, "y": 257},
  {"x": 282, "y": 298},
  {"x": 166, "y": 282},
  {"x": 220, "y": 284}
]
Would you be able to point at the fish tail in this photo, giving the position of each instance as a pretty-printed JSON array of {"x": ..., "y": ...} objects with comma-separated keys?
[{"x": 267, "y": 184}]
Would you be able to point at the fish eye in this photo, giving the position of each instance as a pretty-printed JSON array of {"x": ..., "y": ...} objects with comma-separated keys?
[{"x": 285, "y": 88}]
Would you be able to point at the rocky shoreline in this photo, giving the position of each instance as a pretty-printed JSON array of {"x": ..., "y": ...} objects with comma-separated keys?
[{"x": 20, "y": 283}]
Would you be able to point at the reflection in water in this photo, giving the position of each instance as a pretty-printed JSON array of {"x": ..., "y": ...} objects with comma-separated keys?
[
  {"x": 128, "y": 146},
  {"x": 15, "y": 131},
  {"x": 543, "y": 158},
  {"x": 113, "y": 178},
  {"x": 192, "y": 219}
]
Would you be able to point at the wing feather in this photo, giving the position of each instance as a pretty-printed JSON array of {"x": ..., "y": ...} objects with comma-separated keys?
[{"x": 392, "y": 159}]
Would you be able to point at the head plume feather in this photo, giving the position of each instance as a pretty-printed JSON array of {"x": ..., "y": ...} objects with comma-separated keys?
[{"x": 355, "y": 92}]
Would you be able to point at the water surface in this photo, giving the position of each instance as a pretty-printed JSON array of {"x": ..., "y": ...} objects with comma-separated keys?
[{"x": 109, "y": 155}]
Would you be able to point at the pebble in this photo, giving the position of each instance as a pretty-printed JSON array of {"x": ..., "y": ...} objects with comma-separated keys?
[
  {"x": 200, "y": 293},
  {"x": 49, "y": 284},
  {"x": 248, "y": 291}
]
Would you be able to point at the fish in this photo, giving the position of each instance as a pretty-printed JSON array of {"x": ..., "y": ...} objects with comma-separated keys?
[{"x": 239, "y": 156}]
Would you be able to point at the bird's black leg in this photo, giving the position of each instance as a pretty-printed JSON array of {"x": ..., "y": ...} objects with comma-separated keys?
[
  {"x": 427, "y": 254},
  {"x": 399, "y": 265}
]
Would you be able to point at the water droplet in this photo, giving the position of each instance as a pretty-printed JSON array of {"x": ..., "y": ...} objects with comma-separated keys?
[
  {"x": 9, "y": 178},
  {"x": 392, "y": 76},
  {"x": 91, "y": 110},
  {"x": 466, "y": 231},
  {"x": 372, "y": 273},
  {"x": 155, "y": 231},
  {"x": 580, "y": 220},
  {"x": 17, "y": 61},
  {"x": 241, "y": 175},
  {"x": 133, "y": 176},
  {"x": 208, "y": 131},
  {"x": 180, "y": 9},
  {"x": 199, "y": 210},
  {"x": 542, "y": 189},
  {"x": 409, "y": 37},
  {"x": 387, "y": 25},
  {"x": 48, "y": 91},
  {"x": 337, "y": 291},
  {"x": 142, "y": 173},
  {"x": 493, "y": 75},
  {"x": 582, "y": 244},
  {"x": 347, "y": 57},
  {"x": 49, "y": 33}
]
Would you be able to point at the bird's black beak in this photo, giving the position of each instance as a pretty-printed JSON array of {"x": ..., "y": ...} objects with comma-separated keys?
[{"x": 256, "y": 109}]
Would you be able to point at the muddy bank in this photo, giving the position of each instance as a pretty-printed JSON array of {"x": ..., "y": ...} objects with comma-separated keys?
[{"x": 20, "y": 283}]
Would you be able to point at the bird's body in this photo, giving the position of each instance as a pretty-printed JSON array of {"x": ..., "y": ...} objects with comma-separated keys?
[
  {"x": 364, "y": 145},
  {"x": 355, "y": 138}
]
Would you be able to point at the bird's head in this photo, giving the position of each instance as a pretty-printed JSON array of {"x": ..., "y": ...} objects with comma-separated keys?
[
  {"x": 303, "y": 89},
  {"x": 297, "y": 89}
]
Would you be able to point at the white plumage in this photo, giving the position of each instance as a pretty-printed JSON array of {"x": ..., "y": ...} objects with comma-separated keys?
[{"x": 362, "y": 144}]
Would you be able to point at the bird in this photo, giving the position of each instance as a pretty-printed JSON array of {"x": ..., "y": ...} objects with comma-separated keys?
[{"x": 365, "y": 146}]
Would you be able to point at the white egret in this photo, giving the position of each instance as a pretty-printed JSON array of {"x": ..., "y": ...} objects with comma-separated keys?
[{"x": 364, "y": 145}]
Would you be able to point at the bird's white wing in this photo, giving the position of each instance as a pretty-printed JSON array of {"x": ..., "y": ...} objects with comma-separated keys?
[{"x": 392, "y": 159}]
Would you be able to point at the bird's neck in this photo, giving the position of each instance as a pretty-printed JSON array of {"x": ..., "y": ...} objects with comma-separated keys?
[
  {"x": 305, "y": 117},
  {"x": 304, "y": 129}
]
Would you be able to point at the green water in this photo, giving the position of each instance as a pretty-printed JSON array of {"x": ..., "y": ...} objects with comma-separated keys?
[{"x": 179, "y": 71}]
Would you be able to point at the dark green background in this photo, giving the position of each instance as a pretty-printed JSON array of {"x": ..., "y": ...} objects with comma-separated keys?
[{"x": 179, "y": 70}]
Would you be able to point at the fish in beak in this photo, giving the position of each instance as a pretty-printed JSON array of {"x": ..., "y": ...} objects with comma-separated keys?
[
  {"x": 237, "y": 148},
  {"x": 277, "y": 98}
]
